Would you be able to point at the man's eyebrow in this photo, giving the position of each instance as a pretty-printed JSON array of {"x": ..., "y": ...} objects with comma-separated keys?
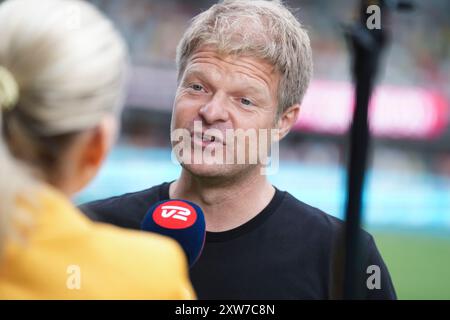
[
  {"x": 252, "y": 88},
  {"x": 251, "y": 83},
  {"x": 193, "y": 72}
]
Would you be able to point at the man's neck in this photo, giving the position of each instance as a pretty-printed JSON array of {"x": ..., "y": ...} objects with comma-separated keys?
[{"x": 226, "y": 205}]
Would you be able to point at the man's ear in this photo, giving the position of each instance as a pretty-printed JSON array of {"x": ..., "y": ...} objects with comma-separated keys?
[{"x": 287, "y": 120}]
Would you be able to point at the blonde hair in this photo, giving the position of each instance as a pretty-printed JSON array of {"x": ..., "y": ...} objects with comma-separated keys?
[
  {"x": 68, "y": 65},
  {"x": 265, "y": 29}
]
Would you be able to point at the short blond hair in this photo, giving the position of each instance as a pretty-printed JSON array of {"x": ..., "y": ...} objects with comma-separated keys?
[{"x": 264, "y": 29}]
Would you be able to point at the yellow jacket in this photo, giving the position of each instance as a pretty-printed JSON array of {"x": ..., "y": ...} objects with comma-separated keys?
[{"x": 67, "y": 256}]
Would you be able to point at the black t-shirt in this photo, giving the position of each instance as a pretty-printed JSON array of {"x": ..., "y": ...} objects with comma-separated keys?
[{"x": 285, "y": 252}]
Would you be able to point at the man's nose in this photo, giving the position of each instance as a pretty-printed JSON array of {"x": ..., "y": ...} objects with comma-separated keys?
[{"x": 215, "y": 109}]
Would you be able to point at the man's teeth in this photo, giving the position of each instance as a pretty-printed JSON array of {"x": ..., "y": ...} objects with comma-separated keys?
[{"x": 209, "y": 138}]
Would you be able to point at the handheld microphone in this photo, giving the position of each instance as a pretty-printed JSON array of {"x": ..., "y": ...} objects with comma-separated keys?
[{"x": 180, "y": 220}]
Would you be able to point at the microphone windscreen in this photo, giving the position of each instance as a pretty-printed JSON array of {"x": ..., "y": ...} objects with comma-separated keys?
[{"x": 181, "y": 220}]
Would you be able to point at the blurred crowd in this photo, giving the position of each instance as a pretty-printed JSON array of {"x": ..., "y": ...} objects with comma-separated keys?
[{"x": 419, "y": 54}]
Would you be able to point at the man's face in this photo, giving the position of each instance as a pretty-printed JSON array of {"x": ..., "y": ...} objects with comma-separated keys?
[{"x": 224, "y": 93}]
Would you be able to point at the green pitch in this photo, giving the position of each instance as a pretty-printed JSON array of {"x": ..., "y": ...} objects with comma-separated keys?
[{"x": 418, "y": 260}]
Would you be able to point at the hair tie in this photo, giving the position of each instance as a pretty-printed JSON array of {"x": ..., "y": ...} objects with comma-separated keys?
[{"x": 9, "y": 90}]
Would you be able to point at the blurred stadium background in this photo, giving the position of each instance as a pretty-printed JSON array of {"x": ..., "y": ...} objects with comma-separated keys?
[{"x": 407, "y": 199}]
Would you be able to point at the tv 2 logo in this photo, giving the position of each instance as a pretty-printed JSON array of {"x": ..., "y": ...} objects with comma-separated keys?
[{"x": 175, "y": 212}]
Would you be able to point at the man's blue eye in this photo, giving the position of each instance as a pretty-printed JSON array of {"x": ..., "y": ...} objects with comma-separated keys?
[
  {"x": 246, "y": 102},
  {"x": 196, "y": 87}
]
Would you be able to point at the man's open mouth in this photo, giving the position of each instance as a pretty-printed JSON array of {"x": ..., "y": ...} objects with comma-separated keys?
[{"x": 207, "y": 138}]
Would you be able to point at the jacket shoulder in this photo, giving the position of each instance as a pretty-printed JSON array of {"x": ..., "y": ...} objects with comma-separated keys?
[{"x": 150, "y": 266}]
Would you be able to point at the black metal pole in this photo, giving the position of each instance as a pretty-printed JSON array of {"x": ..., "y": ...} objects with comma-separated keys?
[{"x": 366, "y": 47}]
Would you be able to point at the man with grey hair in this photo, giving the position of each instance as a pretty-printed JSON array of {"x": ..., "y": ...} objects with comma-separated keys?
[{"x": 244, "y": 65}]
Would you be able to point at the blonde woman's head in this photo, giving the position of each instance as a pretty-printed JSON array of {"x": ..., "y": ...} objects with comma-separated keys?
[
  {"x": 62, "y": 73},
  {"x": 69, "y": 66}
]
